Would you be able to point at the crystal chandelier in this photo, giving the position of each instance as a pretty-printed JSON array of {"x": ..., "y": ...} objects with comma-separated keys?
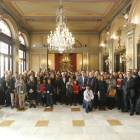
[{"x": 61, "y": 39}]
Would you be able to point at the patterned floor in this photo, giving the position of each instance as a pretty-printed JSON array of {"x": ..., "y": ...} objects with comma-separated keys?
[{"x": 67, "y": 123}]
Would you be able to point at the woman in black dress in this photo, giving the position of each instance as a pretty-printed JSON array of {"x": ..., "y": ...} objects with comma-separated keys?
[
  {"x": 32, "y": 95},
  {"x": 102, "y": 88}
]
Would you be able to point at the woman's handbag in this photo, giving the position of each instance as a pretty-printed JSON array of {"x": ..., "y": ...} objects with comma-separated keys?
[{"x": 112, "y": 92}]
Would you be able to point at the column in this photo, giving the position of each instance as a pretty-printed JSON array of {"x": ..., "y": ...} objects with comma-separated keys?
[
  {"x": 111, "y": 54},
  {"x": 130, "y": 47},
  {"x": 82, "y": 61},
  {"x": 16, "y": 55},
  {"x": 87, "y": 61},
  {"x": 27, "y": 60}
]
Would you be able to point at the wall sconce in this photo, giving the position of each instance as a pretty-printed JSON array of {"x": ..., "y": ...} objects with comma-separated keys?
[
  {"x": 125, "y": 58},
  {"x": 85, "y": 62},
  {"x": 49, "y": 63},
  {"x": 108, "y": 61}
]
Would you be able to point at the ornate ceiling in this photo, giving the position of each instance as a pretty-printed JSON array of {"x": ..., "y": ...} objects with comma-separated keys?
[{"x": 82, "y": 15}]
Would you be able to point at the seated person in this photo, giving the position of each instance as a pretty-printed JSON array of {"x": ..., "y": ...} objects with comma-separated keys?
[{"x": 88, "y": 99}]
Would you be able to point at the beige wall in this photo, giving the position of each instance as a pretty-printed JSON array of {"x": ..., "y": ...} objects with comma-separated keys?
[
  {"x": 51, "y": 60},
  {"x": 79, "y": 61},
  {"x": 91, "y": 40},
  {"x": 93, "y": 61},
  {"x": 35, "y": 61}
]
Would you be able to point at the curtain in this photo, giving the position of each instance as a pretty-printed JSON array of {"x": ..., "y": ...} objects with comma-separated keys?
[
  {"x": 74, "y": 62},
  {"x": 56, "y": 61}
]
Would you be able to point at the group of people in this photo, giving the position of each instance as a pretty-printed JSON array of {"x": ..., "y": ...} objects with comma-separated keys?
[{"x": 92, "y": 89}]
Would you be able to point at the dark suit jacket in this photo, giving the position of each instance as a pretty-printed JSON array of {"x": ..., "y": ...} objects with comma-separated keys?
[
  {"x": 94, "y": 88},
  {"x": 128, "y": 85},
  {"x": 4, "y": 85},
  {"x": 49, "y": 87},
  {"x": 62, "y": 85},
  {"x": 80, "y": 81},
  {"x": 12, "y": 85},
  {"x": 137, "y": 87}
]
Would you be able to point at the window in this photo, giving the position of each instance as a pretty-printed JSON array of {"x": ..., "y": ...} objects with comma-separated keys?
[
  {"x": 3, "y": 48},
  {"x": 22, "y": 61},
  {"x": 5, "y": 58},
  {"x": 22, "y": 40},
  {"x": 5, "y": 28}
]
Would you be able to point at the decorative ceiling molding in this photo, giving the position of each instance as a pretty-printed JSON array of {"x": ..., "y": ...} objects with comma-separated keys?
[{"x": 88, "y": 12}]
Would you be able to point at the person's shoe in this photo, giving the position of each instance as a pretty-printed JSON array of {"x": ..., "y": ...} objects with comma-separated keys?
[
  {"x": 131, "y": 114},
  {"x": 70, "y": 104},
  {"x": 5, "y": 105},
  {"x": 100, "y": 108},
  {"x": 67, "y": 104},
  {"x": 46, "y": 105},
  {"x": 51, "y": 106},
  {"x": 95, "y": 107},
  {"x": 86, "y": 111},
  {"x": 137, "y": 113},
  {"x": 12, "y": 107},
  {"x": 42, "y": 104},
  {"x": 34, "y": 106},
  {"x": 22, "y": 108},
  {"x": 125, "y": 111},
  {"x": 103, "y": 108},
  {"x": 30, "y": 105},
  {"x": 118, "y": 108},
  {"x": 61, "y": 103}
]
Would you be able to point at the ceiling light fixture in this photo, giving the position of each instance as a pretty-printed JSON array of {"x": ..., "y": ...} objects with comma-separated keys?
[{"x": 61, "y": 40}]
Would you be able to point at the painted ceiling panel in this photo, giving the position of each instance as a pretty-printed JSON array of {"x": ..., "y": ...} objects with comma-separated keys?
[
  {"x": 97, "y": 8},
  {"x": 31, "y": 8},
  {"x": 67, "y": 12}
]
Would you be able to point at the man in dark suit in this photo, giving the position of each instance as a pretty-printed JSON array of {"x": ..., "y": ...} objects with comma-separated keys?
[
  {"x": 82, "y": 81},
  {"x": 138, "y": 94},
  {"x": 128, "y": 84},
  {"x": 2, "y": 95},
  {"x": 62, "y": 88},
  {"x": 93, "y": 82}
]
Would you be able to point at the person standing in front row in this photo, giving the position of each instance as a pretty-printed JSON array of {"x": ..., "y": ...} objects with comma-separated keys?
[
  {"x": 128, "y": 85},
  {"x": 75, "y": 93},
  {"x": 12, "y": 88},
  {"x": 69, "y": 92},
  {"x": 62, "y": 88},
  {"x": 21, "y": 90},
  {"x": 88, "y": 99},
  {"x": 49, "y": 94},
  {"x": 82, "y": 81},
  {"x": 38, "y": 92},
  {"x": 102, "y": 88},
  {"x": 111, "y": 84},
  {"x": 93, "y": 83},
  {"x": 31, "y": 88}
]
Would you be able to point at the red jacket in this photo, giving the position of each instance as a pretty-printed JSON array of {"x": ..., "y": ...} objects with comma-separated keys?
[
  {"x": 75, "y": 89},
  {"x": 42, "y": 88}
]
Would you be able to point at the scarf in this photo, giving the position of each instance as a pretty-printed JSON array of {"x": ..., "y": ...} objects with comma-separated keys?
[{"x": 91, "y": 85}]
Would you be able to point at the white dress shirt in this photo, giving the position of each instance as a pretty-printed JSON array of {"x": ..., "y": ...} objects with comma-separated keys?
[
  {"x": 88, "y": 95},
  {"x": 83, "y": 80},
  {"x": 64, "y": 80}
]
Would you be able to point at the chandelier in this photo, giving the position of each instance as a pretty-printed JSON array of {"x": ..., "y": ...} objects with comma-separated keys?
[{"x": 61, "y": 40}]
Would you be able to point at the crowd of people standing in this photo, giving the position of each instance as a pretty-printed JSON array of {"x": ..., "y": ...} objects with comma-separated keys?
[{"x": 92, "y": 89}]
